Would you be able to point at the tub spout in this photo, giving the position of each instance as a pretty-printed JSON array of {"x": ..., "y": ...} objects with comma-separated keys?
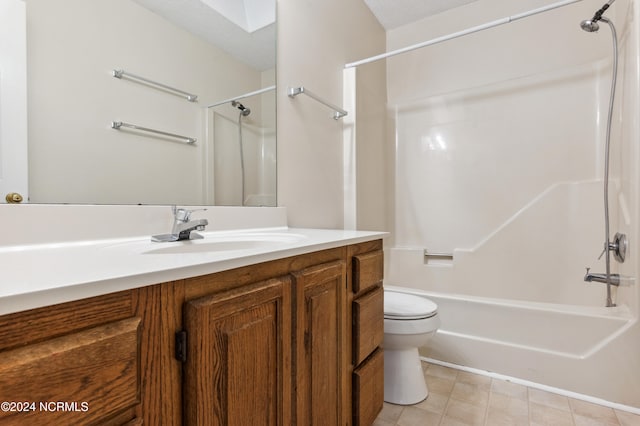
[{"x": 614, "y": 279}]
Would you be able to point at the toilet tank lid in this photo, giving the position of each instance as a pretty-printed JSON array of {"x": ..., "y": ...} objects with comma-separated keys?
[{"x": 407, "y": 306}]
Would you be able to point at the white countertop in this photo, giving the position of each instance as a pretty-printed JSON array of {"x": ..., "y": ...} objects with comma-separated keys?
[{"x": 36, "y": 275}]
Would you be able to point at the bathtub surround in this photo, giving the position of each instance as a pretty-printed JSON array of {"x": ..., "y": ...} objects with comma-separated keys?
[{"x": 499, "y": 162}]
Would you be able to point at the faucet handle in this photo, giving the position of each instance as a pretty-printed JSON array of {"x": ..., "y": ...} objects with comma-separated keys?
[{"x": 183, "y": 215}]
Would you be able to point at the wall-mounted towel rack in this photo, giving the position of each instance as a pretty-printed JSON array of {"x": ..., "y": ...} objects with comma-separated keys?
[
  {"x": 337, "y": 112},
  {"x": 127, "y": 75},
  {"x": 430, "y": 255},
  {"x": 117, "y": 125}
]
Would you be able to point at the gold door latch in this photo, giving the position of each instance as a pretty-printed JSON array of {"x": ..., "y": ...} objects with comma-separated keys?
[{"x": 13, "y": 198}]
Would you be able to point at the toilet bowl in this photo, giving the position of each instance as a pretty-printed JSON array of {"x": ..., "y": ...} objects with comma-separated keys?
[{"x": 409, "y": 322}]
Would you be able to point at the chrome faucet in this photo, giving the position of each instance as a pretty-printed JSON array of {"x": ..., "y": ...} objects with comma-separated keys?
[
  {"x": 614, "y": 279},
  {"x": 183, "y": 227}
]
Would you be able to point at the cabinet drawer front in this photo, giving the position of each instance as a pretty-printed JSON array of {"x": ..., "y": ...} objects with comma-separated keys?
[
  {"x": 367, "y": 270},
  {"x": 368, "y": 389},
  {"x": 368, "y": 324},
  {"x": 37, "y": 325},
  {"x": 75, "y": 379}
]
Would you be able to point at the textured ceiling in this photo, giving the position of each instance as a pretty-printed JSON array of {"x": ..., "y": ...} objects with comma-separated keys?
[{"x": 396, "y": 13}]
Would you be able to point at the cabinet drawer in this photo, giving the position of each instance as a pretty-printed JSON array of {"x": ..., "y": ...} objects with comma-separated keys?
[
  {"x": 368, "y": 389},
  {"x": 93, "y": 373},
  {"x": 368, "y": 324},
  {"x": 367, "y": 271}
]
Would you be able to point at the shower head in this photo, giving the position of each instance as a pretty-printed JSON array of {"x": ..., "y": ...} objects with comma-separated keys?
[
  {"x": 245, "y": 111},
  {"x": 589, "y": 26}
]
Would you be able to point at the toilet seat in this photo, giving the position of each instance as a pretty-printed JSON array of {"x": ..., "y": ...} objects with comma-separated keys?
[
  {"x": 402, "y": 306},
  {"x": 416, "y": 326}
]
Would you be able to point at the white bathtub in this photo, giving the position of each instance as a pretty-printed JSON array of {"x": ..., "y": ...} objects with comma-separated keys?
[{"x": 561, "y": 346}]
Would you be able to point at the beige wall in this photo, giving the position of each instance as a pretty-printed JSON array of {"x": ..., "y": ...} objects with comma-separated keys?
[{"x": 315, "y": 39}]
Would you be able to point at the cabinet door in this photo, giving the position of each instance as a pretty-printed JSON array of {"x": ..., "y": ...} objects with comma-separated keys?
[
  {"x": 320, "y": 344},
  {"x": 237, "y": 370}
]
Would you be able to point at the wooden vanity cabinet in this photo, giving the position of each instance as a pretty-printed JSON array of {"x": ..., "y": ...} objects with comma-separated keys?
[{"x": 265, "y": 344}]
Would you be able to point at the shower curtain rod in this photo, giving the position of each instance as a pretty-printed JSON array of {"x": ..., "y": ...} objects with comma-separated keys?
[
  {"x": 471, "y": 30},
  {"x": 246, "y": 95}
]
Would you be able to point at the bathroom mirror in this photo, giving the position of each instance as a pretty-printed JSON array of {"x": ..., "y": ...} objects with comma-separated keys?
[{"x": 94, "y": 138}]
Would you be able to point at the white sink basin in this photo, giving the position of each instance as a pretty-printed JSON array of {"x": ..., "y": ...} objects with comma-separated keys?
[
  {"x": 225, "y": 242},
  {"x": 200, "y": 246}
]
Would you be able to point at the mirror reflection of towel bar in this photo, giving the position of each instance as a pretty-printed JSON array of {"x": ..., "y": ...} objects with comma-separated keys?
[
  {"x": 429, "y": 255},
  {"x": 129, "y": 76},
  {"x": 117, "y": 125}
]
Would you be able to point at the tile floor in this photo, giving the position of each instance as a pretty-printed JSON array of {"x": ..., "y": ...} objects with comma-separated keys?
[{"x": 459, "y": 398}]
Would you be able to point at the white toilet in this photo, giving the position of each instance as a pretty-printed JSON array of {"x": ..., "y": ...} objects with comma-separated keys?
[{"x": 409, "y": 322}]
